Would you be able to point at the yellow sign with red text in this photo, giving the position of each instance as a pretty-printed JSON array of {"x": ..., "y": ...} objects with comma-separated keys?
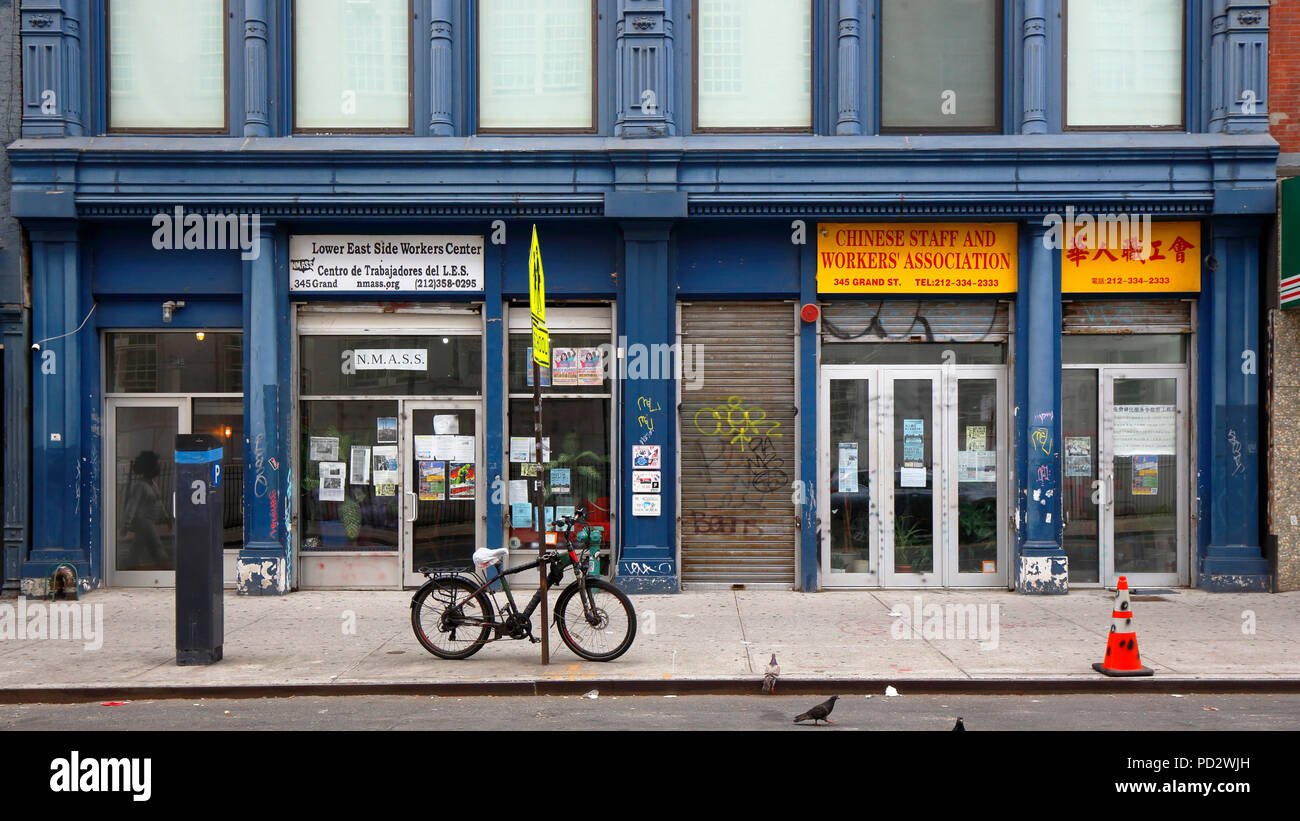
[
  {"x": 917, "y": 258},
  {"x": 1128, "y": 255}
]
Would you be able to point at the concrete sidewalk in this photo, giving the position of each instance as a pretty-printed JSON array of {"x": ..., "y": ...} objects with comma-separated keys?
[{"x": 302, "y": 640}]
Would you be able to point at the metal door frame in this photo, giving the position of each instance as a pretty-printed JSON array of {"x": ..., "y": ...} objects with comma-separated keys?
[
  {"x": 408, "y": 500},
  {"x": 871, "y": 374},
  {"x": 953, "y": 377},
  {"x": 937, "y": 465},
  {"x": 1106, "y": 376},
  {"x": 134, "y": 578}
]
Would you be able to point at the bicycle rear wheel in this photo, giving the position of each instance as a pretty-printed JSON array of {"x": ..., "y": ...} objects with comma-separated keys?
[
  {"x": 448, "y": 621},
  {"x": 607, "y": 632}
]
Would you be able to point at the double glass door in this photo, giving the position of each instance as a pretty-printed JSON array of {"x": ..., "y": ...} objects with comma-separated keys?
[
  {"x": 1125, "y": 476},
  {"x": 914, "y": 485}
]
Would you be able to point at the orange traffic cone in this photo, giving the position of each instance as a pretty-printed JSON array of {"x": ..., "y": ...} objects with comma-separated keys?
[{"x": 1121, "y": 646}]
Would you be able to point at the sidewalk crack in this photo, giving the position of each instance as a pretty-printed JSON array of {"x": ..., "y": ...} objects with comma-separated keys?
[{"x": 744, "y": 641}]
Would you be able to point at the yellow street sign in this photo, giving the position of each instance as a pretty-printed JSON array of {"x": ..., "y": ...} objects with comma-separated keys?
[{"x": 537, "y": 305}]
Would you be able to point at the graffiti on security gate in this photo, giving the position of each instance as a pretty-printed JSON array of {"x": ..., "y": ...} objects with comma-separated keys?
[
  {"x": 766, "y": 474},
  {"x": 735, "y": 422}
]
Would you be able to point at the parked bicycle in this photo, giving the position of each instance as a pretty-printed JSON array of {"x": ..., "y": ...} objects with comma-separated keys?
[{"x": 456, "y": 612}]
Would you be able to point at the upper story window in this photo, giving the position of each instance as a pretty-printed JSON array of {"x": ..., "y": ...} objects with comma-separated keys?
[
  {"x": 536, "y": 65},
  {"x": 753, "y": 65},
  {"x": 352, "y": 65},
  {"x": 1124, "y": 64},
  {"x": 167, "y": 65},
  {"x": 941, "y": 66}
]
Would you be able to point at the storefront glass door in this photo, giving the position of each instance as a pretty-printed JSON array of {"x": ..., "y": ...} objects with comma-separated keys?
[
  {"x": 141, "y": 448},
  {"x": 1126, "y": 479},
  {"x": 914, "y": 477},
  {"x": 443, "y": 493}
]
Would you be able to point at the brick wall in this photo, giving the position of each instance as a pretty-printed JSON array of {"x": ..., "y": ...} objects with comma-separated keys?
[{"x": 1284, "y": 73}]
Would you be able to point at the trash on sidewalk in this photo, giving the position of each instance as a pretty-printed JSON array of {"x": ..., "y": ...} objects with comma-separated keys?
[
  {"x": 593, "y": 694},
  {"x": 890, "y": 691}
]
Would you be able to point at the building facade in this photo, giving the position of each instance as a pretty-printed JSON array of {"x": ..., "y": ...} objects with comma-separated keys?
[
  {"x": 860, "y": 293},
  {"x": 14, "y": 315}
]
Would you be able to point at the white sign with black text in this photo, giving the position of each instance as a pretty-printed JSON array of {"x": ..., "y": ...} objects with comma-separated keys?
[{"x": 349, "y": 263}]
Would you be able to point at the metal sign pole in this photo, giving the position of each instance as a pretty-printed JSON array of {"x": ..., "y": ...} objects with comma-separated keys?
[{"x": 539, "y": 504}]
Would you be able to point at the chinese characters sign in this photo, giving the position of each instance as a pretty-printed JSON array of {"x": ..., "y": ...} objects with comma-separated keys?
[
  {"x": 1158, "y": 257},
  {"x": 916, "y": 258}
]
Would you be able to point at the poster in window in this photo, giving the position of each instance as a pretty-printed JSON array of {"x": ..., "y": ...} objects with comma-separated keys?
[
  {"x": 522, "y": 449},
  {"x": 528, "y": 371},
  {"x": 462, "y": 481},
  {"x": 564, "y": 366},
  {"x": 433, "y": 481},
  {"x": 914, "y": 445},
  {"x": 332, "y": 477},
  {"x": 462, "y": 449},
  {"x": 565, "y": 510},
  {"x": 590, "y": 367},
  {"x": 324, "y": 448},
  {"x": 911, "y": 477},
  {"x": 425, "y": 448},
  {"x": 386, "y": 430},
  {"x": 1146, "y": 475},
  {"x": 848, "y": 467},
  {"x": 384, "y": 461},
  {"x": 446, "y": 424},
  {"x": 560, "y": 480},
  {"x": 646, "y": 456},
  {"x": 1149, "y": 430},
  {"x": 977, "y": 437},
  {"x": 1078, "y": 457},
  {"x": 518, "y": 490},
  {"x": 521, "y": 515},
  {"x": 360, "y": 458}
]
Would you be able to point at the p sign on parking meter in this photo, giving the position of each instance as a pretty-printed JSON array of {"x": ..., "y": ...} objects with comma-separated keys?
[{"x": 199, "y": 523}]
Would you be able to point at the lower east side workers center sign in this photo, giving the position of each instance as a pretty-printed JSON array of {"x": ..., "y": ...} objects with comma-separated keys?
[
  {"x": 917, "y": 258},
  {"x": 350, "y": 263}
]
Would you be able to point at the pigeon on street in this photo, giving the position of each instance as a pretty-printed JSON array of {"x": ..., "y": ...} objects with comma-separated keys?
[
  {"x": 958, "y": 726},
  {"x": 819, "y": 713},
  {"x": 769, "y": 679}
]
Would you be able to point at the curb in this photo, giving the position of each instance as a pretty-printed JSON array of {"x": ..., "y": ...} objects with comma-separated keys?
[{"x": 652, "y": 687}]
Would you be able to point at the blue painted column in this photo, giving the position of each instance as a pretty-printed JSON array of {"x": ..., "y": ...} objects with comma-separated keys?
[
  {"x": 52, "y": 68},
  {"x": 1230, "y": 480},
  {"x": 1238, "y": 66},
  {"x": 1041, "y": 567},
  {"x": 1033, "y": 118},
  {"x": 17, "y": 446},
  {"x": 809, "y": 377},
  {"x": 442, "y": 73},
  {"x": 257, "y": 72},
  {"x": 263, "y": 566},
  {"x": 58, "y": 420},
  {"x": 494, "y": 392},
  {"x": 644, "y": 79},
  {"x": 648, "y": 558},
  {"x": 849, "y": 40}
]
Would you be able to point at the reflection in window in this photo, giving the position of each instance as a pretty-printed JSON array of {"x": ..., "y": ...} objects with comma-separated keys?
[
  {"x": 345, "y": 509},
  {"x": 177, "y": 362},
  {"x": 166, "y": 64},
  {"x": 754, "y": 64},
  {"x": 939, "y": 64},
  {"x": 437, "y": 366},
  {"x": 535, "y": 64},
  {"x": 1124, "y": 63},
  {"x": 352, "y": 64}
]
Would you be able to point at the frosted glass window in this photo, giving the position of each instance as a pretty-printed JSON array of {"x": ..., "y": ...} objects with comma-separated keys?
[
  {"x": 535, "y": 64},
  {"x": 167, "y": 64},
  {"x": 1124, "y": 63},
  {"x": 753, "y": 64},
  {"x": 939, "y": 64},
  {"x": 352, "y": 64}
]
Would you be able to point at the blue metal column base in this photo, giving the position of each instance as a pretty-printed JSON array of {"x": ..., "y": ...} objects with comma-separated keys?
[
  {"x": 263, "y": 565},
  {"x": 1042, "y": 567},
  {"x": 1232, "y": 559},
  {"x": 808, "y": 420}
]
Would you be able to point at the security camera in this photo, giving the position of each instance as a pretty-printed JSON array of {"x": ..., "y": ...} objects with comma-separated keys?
[{"x": 36, "y": 346}]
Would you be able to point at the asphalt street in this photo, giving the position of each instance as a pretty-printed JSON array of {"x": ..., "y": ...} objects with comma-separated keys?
[{"x": 913, "y": 713}]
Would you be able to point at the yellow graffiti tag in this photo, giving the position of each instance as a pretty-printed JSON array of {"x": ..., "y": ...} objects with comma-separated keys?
[{"x": 735, "y": 421}]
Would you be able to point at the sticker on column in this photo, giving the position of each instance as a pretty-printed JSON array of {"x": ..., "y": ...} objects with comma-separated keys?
[
  {"x": 1146, "y": 475},
  {"x": 848, "y": 467},
  {"x": 647, "y": 457},
  {"x": 646, "y": 481},
  {"x": 645, "y": 504}
]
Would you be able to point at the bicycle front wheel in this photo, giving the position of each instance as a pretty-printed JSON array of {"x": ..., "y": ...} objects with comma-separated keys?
[
  {"x": 448, "y": 621},
  {"x": 606, "y": 631}
]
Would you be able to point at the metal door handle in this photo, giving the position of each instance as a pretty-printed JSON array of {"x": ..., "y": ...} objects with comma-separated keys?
[{"x": 414, "y": 502}]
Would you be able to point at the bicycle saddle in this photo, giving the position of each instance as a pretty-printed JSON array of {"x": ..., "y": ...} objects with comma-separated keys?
[{"x": 484, "y": 557}]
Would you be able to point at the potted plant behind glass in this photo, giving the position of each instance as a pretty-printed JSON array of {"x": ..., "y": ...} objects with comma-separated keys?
[{"x": 911, "y": 544}]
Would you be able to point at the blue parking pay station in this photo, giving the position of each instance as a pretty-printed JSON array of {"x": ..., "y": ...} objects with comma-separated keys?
[{"x": 199, "y": 616}]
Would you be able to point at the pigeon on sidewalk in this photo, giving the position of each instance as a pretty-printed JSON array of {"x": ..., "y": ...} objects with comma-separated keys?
[
  {"x": 769, "y": 678},
  {"x": 819, "y": 713},
  {"x": 958, "y": 726}
]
